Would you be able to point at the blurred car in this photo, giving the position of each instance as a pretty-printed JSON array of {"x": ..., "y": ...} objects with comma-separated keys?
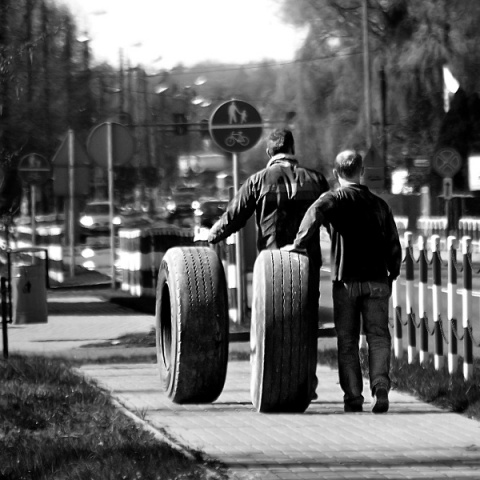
[
  {"x": 208, "y": 211},
  {"x": 95, "y": 218},
  {"x": 179, "y": 205}
]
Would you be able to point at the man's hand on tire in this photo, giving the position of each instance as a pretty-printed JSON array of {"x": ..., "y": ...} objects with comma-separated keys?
[{"x": 293, "y": 248}]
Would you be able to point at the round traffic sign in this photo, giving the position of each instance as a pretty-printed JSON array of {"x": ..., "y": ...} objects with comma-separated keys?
[
  {"x": 447, "y": 162},
  {"x": 236, "y": 126},
  {"x": 34, "y": 169},
  {"x": 122, "y": 141}
]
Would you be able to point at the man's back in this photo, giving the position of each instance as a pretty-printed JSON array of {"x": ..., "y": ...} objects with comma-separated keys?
[
  {"x": 363, "y": 233},
  {"x": 279, "y": 195},
  {"x": 284, "y": 193}
]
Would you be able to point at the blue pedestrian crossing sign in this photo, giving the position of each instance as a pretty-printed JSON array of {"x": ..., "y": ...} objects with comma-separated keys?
[{"x": 235, "y": 126}]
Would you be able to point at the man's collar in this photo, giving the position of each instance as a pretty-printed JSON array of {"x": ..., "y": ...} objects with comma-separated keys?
[{"x": 282, "y": 156}]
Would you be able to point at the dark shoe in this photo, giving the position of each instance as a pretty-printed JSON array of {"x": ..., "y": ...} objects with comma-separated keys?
[
  {"x": 380, "y": 399},
  {"x": 354, "y": 406}
]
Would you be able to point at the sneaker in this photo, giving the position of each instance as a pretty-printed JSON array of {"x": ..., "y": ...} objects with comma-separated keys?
[
  {"x": 380, "y": 399},
  {"x": 353, "y": 407}
]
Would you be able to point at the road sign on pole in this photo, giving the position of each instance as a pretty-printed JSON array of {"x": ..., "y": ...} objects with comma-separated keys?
[
  {"x": 71, "y": 161},
  {"x": 34, "y": 169},
  {"x": 447, "y": 188},
  {"x": 236, "y": 126},
  {"x": 110, "y": 138},
  {"x": 447, "y": 162}
]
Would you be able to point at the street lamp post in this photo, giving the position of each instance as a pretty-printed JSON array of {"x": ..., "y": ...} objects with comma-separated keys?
[
  {"x": 87, "y": 75},
  {"x": 366, "y": 75}
]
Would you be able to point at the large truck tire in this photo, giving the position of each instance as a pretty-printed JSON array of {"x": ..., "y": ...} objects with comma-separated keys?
[
  {"x": 192, "y": 324},
  {"x": 281, "y": 333}
]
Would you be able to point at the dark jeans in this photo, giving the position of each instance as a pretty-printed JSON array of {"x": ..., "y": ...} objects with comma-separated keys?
[{"x": 370, "y": 301}]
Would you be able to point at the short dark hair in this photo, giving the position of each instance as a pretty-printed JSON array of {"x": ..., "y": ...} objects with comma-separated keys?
[
  {"x": 280, "y": 141},
  {"x": 348, "y": 163}
]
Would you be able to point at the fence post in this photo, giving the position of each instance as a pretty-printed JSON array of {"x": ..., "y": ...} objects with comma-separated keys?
[
  {"x": 411, "y": 333},
  {"x": 3, "y": 294},
  {"x": 422, "y": 295},
  {"x": 397, "y": 322},
  {"x": 232, "y": 279},
  {"x": 452, "y": 318},
  {"x": 436, "y": 293},
  {"x": 467, "y": 308}
]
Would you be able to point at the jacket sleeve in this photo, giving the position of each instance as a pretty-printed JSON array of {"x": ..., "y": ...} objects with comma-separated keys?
[
  {"x": 311, "y": 222},
  {"x": 239, "y": 210},
  {"x": 394, "y": 261}
]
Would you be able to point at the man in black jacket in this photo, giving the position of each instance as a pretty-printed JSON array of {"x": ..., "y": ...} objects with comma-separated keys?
[
  {"x": 365, "y": 258},
  {"x": 279, "y": 195}
]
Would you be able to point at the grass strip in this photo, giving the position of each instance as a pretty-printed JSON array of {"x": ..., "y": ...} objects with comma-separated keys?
[
  {"x": 57, "y": 425},
  {"x": 438, "y": 387}
]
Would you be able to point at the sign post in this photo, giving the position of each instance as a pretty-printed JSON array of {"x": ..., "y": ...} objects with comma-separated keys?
[
  {"x": 111, "y": 199},
  {"x": 70, "y": 179},
  {"x": 110, "y": 143},
  {"x": 34, "y": 170},
  {"x": 236, "y": 126},
  {"x": 447, "y": 162}
]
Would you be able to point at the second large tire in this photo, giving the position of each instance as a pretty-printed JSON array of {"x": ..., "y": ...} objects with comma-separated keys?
[
  {"x": 192, "y": 324},
  {"x": 281, "y": 333}
]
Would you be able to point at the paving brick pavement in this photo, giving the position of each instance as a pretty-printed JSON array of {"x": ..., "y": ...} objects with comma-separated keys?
[
  {"x": 77, "y": 318},
  {"x": 414, "y": 440}
]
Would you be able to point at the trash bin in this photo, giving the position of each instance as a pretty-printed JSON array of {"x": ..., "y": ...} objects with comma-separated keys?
[{"x": 28, "y": 280}]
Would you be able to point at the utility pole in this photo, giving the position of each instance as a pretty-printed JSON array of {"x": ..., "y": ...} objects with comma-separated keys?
[
  {"x": 366, "y": 75},
  {"x": 121, "y": 101},
  {"x": 383, "y": 119}
]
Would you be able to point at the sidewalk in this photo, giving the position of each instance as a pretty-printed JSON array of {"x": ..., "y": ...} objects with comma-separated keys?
[{"x": 414, "y": 440}]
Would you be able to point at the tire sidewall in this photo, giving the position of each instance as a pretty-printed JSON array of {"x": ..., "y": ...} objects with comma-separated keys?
[{"x": 166, "y": 344}]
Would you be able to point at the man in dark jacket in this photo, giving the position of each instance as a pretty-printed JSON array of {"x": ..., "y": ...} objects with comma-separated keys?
[
  {"x": 365, "y": 258},
  {"x": 279, "y": 195}
]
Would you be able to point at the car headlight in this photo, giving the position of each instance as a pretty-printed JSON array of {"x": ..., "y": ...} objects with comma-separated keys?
[
  {"x": 117, "y": 220},
  {"x": 87, "y": 253},
  {"x": 86, "y": 221},
  {"x": 171, "y": 206}
]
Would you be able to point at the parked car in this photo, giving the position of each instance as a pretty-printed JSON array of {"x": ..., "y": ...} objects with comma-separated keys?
[{"x": 95, "y": 218}]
